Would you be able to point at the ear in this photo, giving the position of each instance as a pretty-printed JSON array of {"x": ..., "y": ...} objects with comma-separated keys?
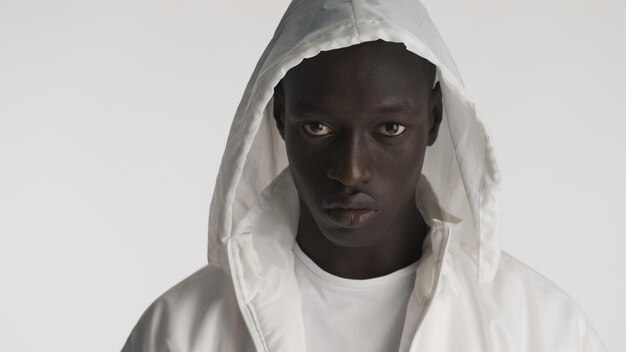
[
  {"x": 435, "y": 113},
  {"x": 279, "y": 109}
]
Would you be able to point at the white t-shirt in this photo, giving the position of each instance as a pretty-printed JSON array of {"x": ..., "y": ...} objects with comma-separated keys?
[{"x": 352, "y": 315}]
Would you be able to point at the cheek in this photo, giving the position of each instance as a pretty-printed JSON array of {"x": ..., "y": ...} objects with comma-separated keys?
[
  {"x": 401, "y": 161},
  {"x": 307, "y": 164},
  {"x": 399, "y": 170},
  {"x": 301, "y": 155}
]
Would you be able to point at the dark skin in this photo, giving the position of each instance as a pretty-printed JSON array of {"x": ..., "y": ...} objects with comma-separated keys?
[{"x": 356, "y": 123}]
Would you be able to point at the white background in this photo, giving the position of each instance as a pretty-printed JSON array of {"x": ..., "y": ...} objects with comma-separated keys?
[{"x": 114, "y": 116}]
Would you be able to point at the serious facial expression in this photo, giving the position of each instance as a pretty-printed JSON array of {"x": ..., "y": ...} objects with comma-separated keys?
[{"x": 356, "y": 123}]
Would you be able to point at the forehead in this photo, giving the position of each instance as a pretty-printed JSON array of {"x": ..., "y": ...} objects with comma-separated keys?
[{"x": 370, "y": 71}]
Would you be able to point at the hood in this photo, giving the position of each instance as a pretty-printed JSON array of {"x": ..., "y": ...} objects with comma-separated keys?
[{"x": 461, "y": 166}]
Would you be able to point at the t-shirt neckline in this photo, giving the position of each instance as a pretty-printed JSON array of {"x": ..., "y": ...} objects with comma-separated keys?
[{"x": 341, "y": 282}]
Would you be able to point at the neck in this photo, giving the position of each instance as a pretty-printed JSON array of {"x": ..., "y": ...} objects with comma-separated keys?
[{"x": 400, "y": 247}]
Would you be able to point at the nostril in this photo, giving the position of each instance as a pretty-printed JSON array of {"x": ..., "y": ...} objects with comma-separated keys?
[{"x": 349, "y": 190}]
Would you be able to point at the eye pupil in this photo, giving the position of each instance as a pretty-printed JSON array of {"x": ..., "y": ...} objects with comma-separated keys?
[
  {"x": 318, "y": 126},
  {"x": 393, "y": 130}
]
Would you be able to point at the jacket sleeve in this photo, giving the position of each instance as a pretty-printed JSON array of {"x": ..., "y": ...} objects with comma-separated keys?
[
  {"x": 589, "y": 339},
  {"x": 150, "y": 334},
  {"x": 592, "y": 342}
]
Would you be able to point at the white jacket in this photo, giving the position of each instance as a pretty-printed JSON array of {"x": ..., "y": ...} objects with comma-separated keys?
[{"x": 469, "y": 295}]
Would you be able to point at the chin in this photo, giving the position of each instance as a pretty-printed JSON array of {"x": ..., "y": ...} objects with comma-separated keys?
[{"x": 351, "y": 238}]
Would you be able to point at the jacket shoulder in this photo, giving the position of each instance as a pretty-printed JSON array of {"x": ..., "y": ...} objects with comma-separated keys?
[
  {"x": 546, "y": 306},
  {"x": 181, "y": 319},
  {"x": 208, "y": 281},
  {"x": 514, "y": 271}
]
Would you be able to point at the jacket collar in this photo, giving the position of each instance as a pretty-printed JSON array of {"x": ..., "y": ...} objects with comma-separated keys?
[{"x": 262, "y": 260}]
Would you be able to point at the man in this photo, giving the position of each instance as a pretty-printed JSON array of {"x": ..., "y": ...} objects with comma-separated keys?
[{"x": 357, "y": 207}]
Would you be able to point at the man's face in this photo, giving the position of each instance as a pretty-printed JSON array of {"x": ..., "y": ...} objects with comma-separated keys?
[{"x": 356, "y": 123}]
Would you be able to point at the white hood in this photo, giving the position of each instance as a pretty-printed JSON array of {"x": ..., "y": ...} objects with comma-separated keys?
[
  {"x": 460, "y": 166},
  {"x": 468, "y": 294}
]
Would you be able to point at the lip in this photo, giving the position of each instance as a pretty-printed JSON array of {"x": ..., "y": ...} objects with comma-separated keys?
[
  {"x": 351, "y": 211},
  {"x": 352, "y": 218},
  {"x": 344, "y": 201}
]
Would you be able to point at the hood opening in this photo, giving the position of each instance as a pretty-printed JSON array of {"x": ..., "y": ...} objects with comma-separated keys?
[{"x": 461, "y": 165}]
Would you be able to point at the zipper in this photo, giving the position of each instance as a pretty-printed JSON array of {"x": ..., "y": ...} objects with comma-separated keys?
[
  {"x": 248, "y": 315},
  {"x": 436, "y": 290}
]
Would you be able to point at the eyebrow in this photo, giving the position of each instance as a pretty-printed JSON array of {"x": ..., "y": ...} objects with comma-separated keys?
[
  {"x": 309, "y": 108},
  {"x": 393, "y": 108},
  {"x": 386, "y": 108}
]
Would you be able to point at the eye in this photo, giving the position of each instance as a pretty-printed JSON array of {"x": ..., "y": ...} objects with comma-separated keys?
[
  {"x": 391, "y": 129},
  {"x": 316, "y": 128}
]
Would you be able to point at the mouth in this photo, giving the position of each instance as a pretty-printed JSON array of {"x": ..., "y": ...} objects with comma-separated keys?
[
  {"x": 351, "y": 218},
  {"x": 350, "y": 211}
]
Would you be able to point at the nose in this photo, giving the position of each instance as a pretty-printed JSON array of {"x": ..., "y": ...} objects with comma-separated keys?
[{"x": 351, "y": 162}]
